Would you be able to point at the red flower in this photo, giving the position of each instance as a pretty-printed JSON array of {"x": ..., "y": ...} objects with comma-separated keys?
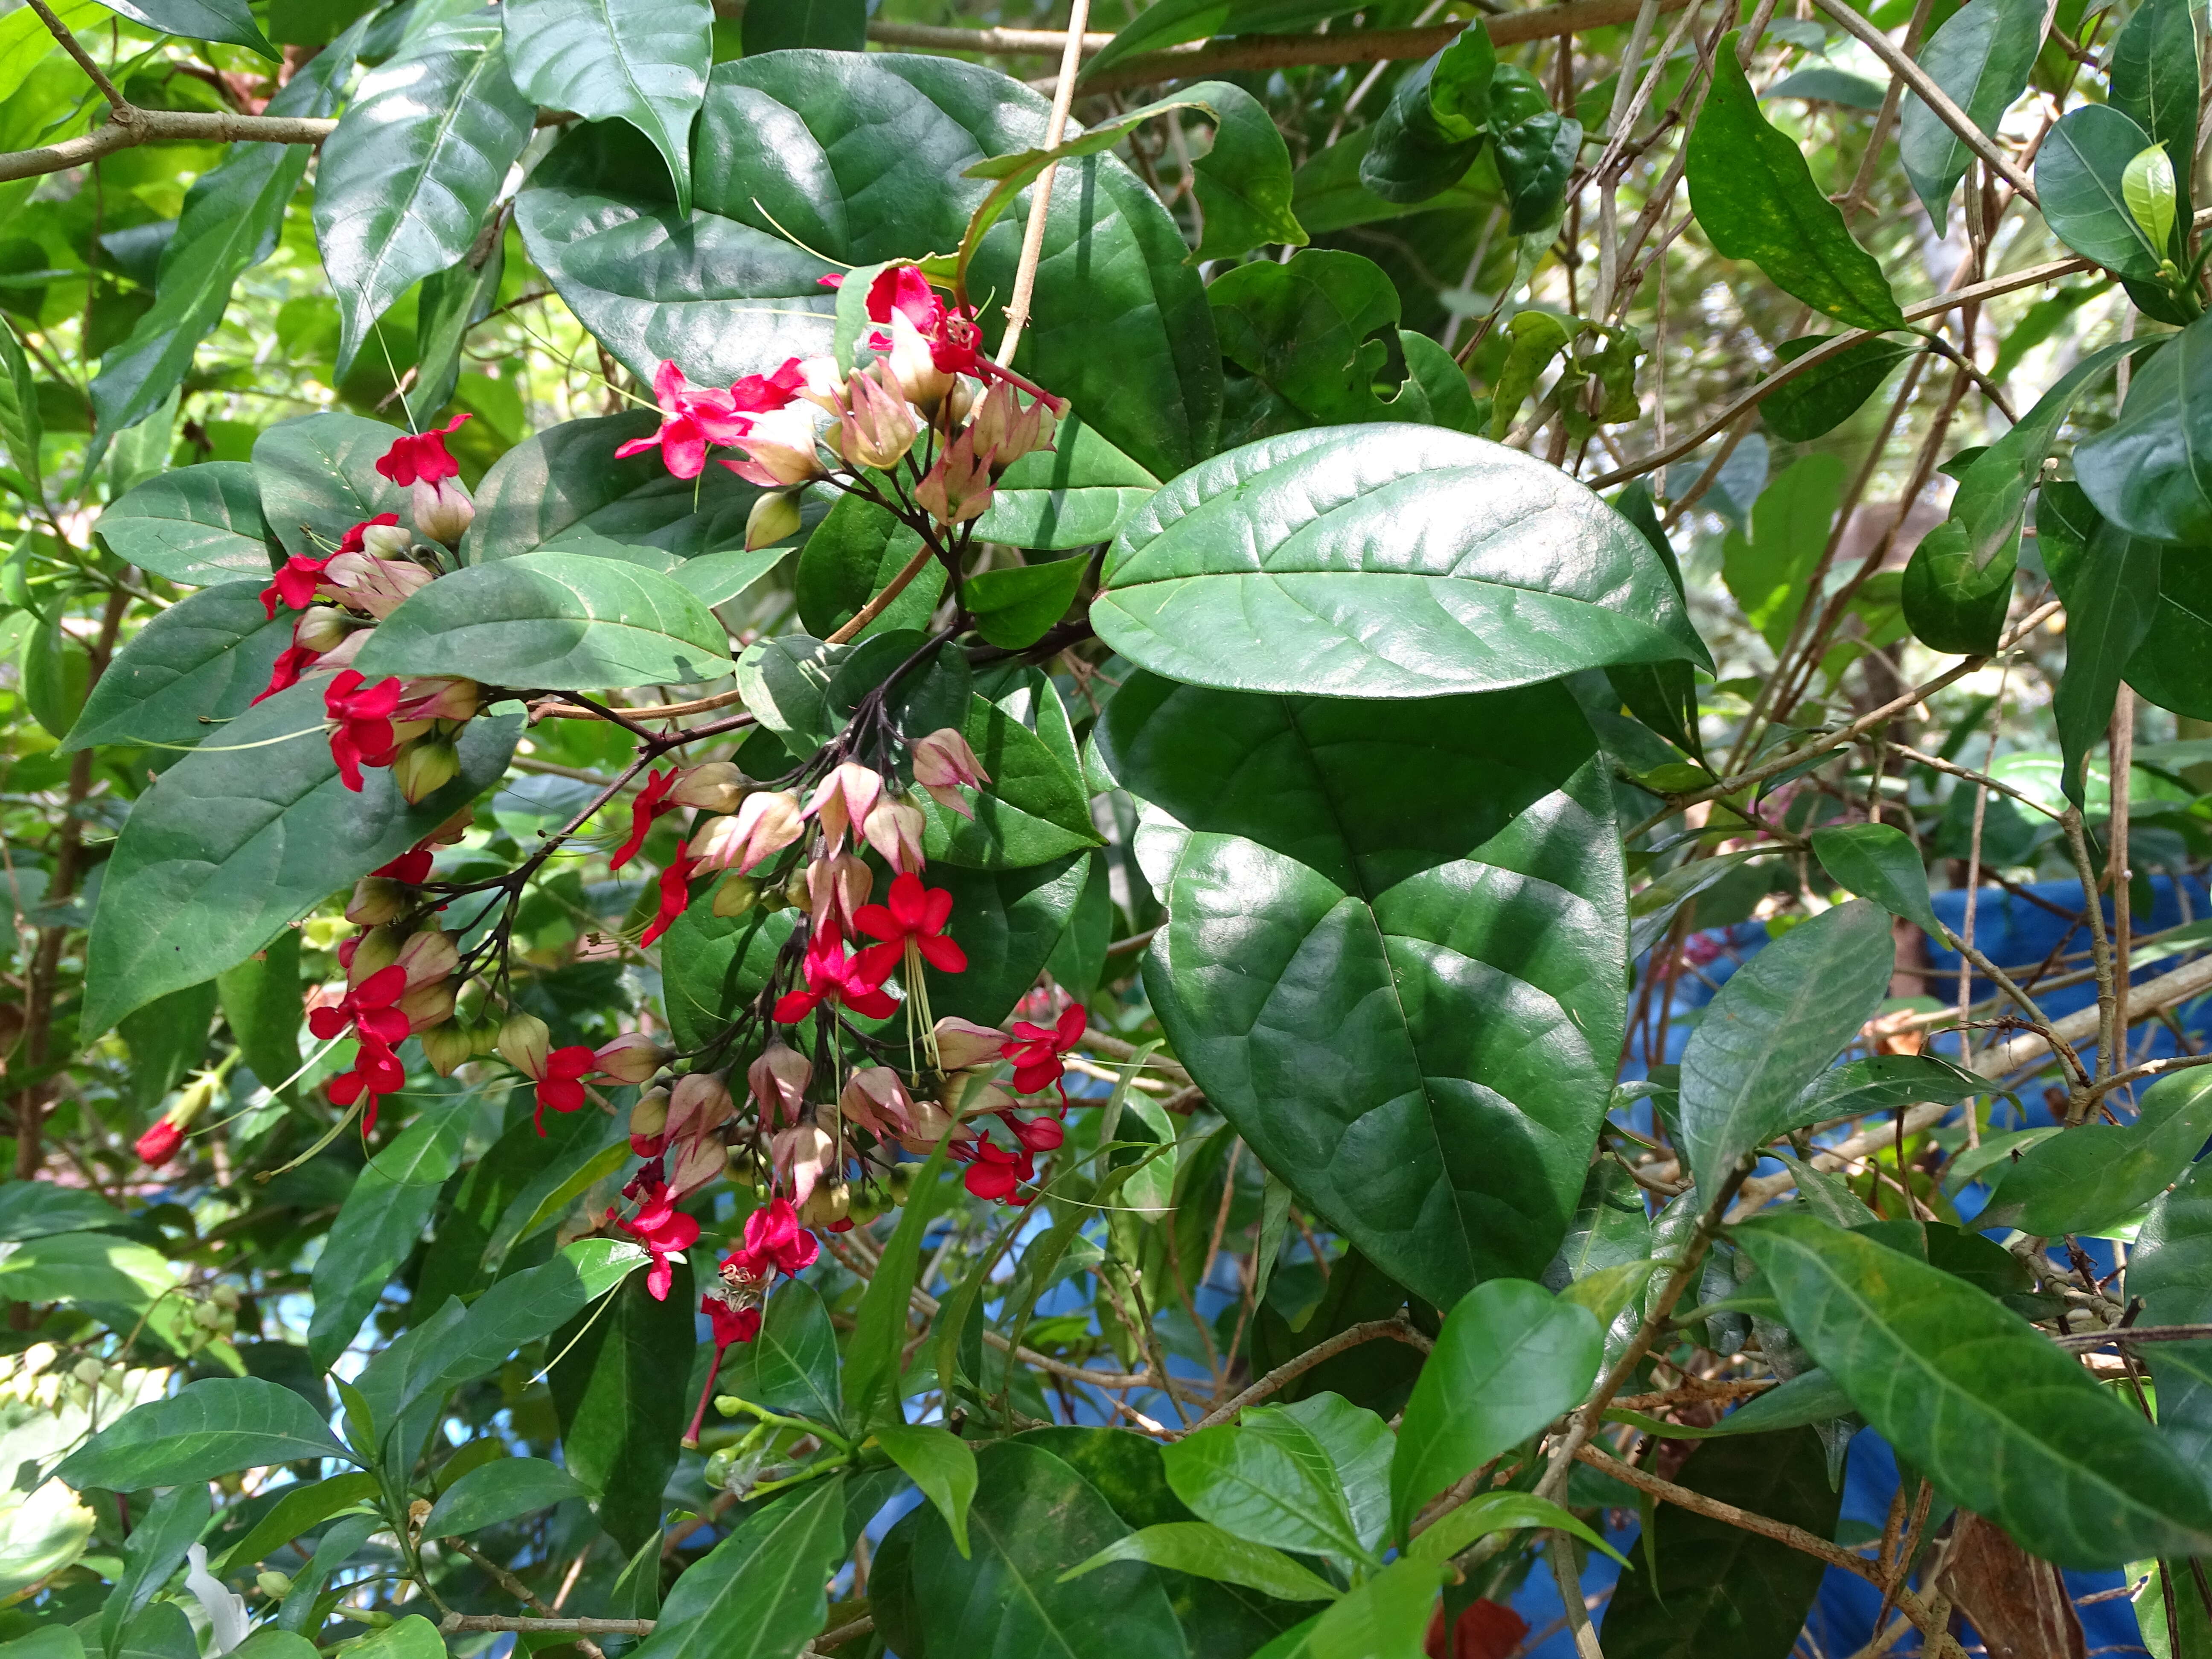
[
  {"x": 370, "y": 1008},
  {"x": 675, "y": 894},
  {"x": 650, "y": 804},
  {"x": 916, "y": 914},
  {"x": 560, "y": 1086},
  {"x": 774, "y": 1242},
  {"x": 376, "y": 1073},
  {"x": 159, "y": 1144},
  {"x": 291, "y": 662},
  {"x": 664, "y": 1231},
  {"x": 691, "y": 418},
  {"x": 954, "y": 339},
  {"x": 420, "y": 456},
  {"x": 756, "y": 394},
  {"x": 363, "y": 717},
  {"x": 1037, "y": 1052},
  {"x": 294, "y": 584},
  {"x": 731, "y": 1325},
  {"x": 1039, "y": 1135},
  {"x": 832, "y": 978},
  {"x": 995, "y": 1173},
  {"x": 353, "y": 542},
  {"x": 411, "y": 867},
  {"x": 1484, "y": 1629}
]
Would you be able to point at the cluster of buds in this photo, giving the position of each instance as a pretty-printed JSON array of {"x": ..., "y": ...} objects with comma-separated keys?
[
  {"x": 716, "y": 786},
  {"x": 526, "y": 1043},
  {"x": 969, "y": 1055},
  {"x": 679, "y": 1132},
  {"x": 376, "y": 566},
  {"x": 397, "y": 985},
  {"x": 413, "y": 727}
]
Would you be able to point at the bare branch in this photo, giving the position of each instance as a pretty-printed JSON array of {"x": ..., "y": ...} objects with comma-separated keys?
[{"x": 156, "y": 126}]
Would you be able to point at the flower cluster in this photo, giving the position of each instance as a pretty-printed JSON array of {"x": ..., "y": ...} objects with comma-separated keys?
[
  {"x": 526, "y": 1043},
  {"x": 395, "y": 987}
]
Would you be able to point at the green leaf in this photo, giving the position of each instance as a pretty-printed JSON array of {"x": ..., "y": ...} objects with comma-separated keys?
[
  {"x": 564, "y": 491},
  {"x": 851, "y": 557},
  {"x": 1819, "y": 83},
  {"x": 556, "y": 621},
  {"x": 2097, "y": 1174},
  {"x": 760, "y": 1593},
  {"x": 318, "y": 479},
  {"x": 1077, "y": 494},
  {"x": 1120, "y": 325},
  {"x": 2148, "y": 188},
  {"x": 2143, "y": 472},
  {"x": 1754, "y": 194},
  {"x": 57, "y": 676},
  {"x": 226, "y": 20},
  {"x": 219, "y": 1425},
  {"x": 198, "y": 526},
  {"x": 303, "y": 1508},
  {"x": 238, "y": 840},
  {"x": 1034, "y": 1516},
  {"x": 171, "y": 1525},
  {"x": 160, "y": 1632},
  {"x": 1014, "y": 607},
  {"x": 1171, "y": 22},
  {"x": 231, "y": 218},
  {"x": 499, "y": 1490},
  {"x": 1206, "y": 1551},
  {"x": 260, "y": 998},
  {"x": 1716, "y": 1591},
  {"x": 1509, "y": 1360},
  {"x": 1361, "y": 1445},
  {"x": 618, "y": 1390},
  {"x": 1813, "y": 404},
  {"x": 1270, "y": 1483},
  {"x": 1879, "y": 862},
  {"x": 1035, "y": 808},
  {"x": 37, "y": 1209},
  {"x": 870, "y": 1379},
  {"x": 839, "y": 25},
  {"x": 2081, "y": 176},
  {"x": 413, "y": 1636},
  {"x": 1009, "y": 922},
  {"x": 2155, "y": 76},
  {"x": 1386, "y": 1616},
  {"x": 1978, "y": 1399},
  {"x": 1242, "y": 183},
  {"x": 711, "y": 966},
  {"x": 1432, "y": 129},
  {"x": 378, "y": 1226},
  {"x": 1770, "y": 572},
  {"x": 2110, "y": 583},
  {"x": 1880, "y": 1083},
  {"x": 1415, "y": 573},
  {"x": 1777, "y": 1022},
  {"x": 1498, "y": 1511},
  {"x": 406, "y": 179},
  {"x": 641, "y": 61},
  {"x": 85, "y": 1267},
  {"x": 940, "y": 1463},
  {"x": 1981, "y": 57},
  {"x": 1535, "y": 150},
  {"x": 2170, "y": 1267},
  {"x": 22, "y": 429},
  {"x": 1338, "y": 970},
  {"x": 191, "y": 668},
  {"x": 1315, "y": 331}
]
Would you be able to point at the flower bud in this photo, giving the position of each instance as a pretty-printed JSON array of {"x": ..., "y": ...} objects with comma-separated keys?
[
  {"x": 425, "y": 766},
  {"x": 894, "y": 830},
  {"x": 835, "y": 889},
  {"x": 844, "y": 798},
  {"x": 428, "y": 957},
  {"x": 524, "y": 1041},
  {"x": 428, "y": 1008},
  {"x": 448, "y": 1047},
  {"x": 385, "y": 541},
  {"x": 378, "y": 586},
  {"x": 961, "y": 1045},
  {"x": 774, "y": 518},
  {"x": 780, "y": 450},
  {"x": 831, "y": 1201},
  {"x": 648, "y": 1119},
  {"x": 959, "y": 487},
  {"x": 632, "y": 1057},
  {"x": 379, "y": 899},
  {"x": 438, "y": 697},
  {"x": 698, "y": 1105},
  {"x": 778, "y": 1082},
  {"x": 876, "y": 1098},
  {"x": 483, "y": 1036},
  {"x": 736, "y": 895},
  {"x": 159, "y": 1144},
  {"x": 795, "y": 892},
  {"x": 714, "y": 786},
  {"x": 442, "y": 511},
  {"x": 912, "y": 366},
  {"x": 375, "y": 950},
  {"x": 323, "y": 627},
  {"x": 943, "y": 762},
  {"x": 273, "y": 1585},
  {"x": 1005, "y": 432},
  {"x": 767, "y": 822},
  {"x": 878, "y": 427}
]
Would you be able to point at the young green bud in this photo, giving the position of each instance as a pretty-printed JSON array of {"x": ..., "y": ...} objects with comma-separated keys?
[{"x": 774, "y": 517}]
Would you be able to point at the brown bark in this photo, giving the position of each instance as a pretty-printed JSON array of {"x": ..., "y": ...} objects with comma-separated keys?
[{"x": 2018, "y": 1603}]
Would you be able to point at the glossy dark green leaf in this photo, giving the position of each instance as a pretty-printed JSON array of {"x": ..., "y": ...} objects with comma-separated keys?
[
  {"x": 2145, "y": 473},
  {"x": 1981, "y": 57},
  {"x": 198, "y": 526},
  {"x": 2078, "y": 180},
  {"x": 870, "y": 1379},
  {"x": 941, "y": 1464},
  {"x": 2097, "y": 1174},
  {"x": 1360, "y": 1444},
  {"x": 160, "y": 1632},
  {"x": 1432, "y": 129},
  {"x": 1430, "y": 562},
  {"x": 1776, "y": 1024},
  {"x": 1509, "y": 1359},
  {"x": 1120, "y": 325},
  {"x": 1077, "y": 494},
  {"x": 641, "y": 61},
  {"x": 1664, "y": 695},
  {"x": 193, "y": 666},
  {"x": 338, "y": 1545},
  {"x": 1033, "y": 1518},
  {"x": 218, "y": 1426},
  {"x": 260, "y": 998},
  {"x": 38, "y": 1209},
  {"x": 1534, "y": 146},
  {"x": 1881, "y": 1083},
  {"x": 1014, "y": 607},
  {"x": 1036, "y": 808},
  {"x": 618, "y": 1388},
  {"x": 1878, "y": 861},
  {"x": 165, "y": 1037},
  {"x": 231, "y": 217},
  {"x": 2155, "y": 76},
  {"x": 792, "y": 1366},
  {"x": 559, "y": 621},
  {"x": 499, "y": 1490},
  {"x": 712, "y": 966},
  {"x": 1349, "y": 920},
  {"x": 377, "y": 1226},
  {"x": 1315, "y": 331},
  {"x": 834, "y": 25},
  {"x": 1716, "y": 1591},
  {"x": 851, "y": 557},
  {"x": 2110, "y": 583},
  {"x": 302, "y": 1509},
  {"x": 405, "y": 181},
  {"x": 1171, "y": 22},
  {"x": 56, "y": 676},
  {"x": 761, "y": 1592},
  {"x": 1389, "y": 1613},
  {"x": 1813, "y": 403},
  {"x": 1269, "y": 1481},
  {"x": 1008, "y": 921},
  {"x": 238, "y": 840},
  {"x": 318, "y": 479},
  {"x": 226, "y": 20},
  {"x": 2003, "y": 1423},
  {"x": 155, "y": 1548},
  {"x": 1755, "y": 196},
  {"x": 2171, "y": 1269},
  {"x": 447, "y": 305}
]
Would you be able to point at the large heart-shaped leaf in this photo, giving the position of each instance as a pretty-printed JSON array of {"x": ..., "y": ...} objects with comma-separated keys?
[
  {"x": 216, "y": 1426},
  {"x": 712, "y": 966},
  {"x": 244, "y": 836},
  {"x": 859, "y": 159},
  {"x": 198, "y": 525},
  {"x": 405, "y": 179},
  {"x": 318, "y": 479},
  {"x": 1396, "y": 938},
  {"x": 1979, "y": 1402},
  {"x": 643, "y": 61},
  {"x": 1383, "y": 560},
  {"x": 1080, "y": 492},
  {"x": 194, "y": 665},
  {"x": 556, "y": 621}
]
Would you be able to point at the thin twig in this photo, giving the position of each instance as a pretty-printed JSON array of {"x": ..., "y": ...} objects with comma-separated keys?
[
  {"x": 1398, "y": 1330},
  {"x": 1017, "y": 306}
]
